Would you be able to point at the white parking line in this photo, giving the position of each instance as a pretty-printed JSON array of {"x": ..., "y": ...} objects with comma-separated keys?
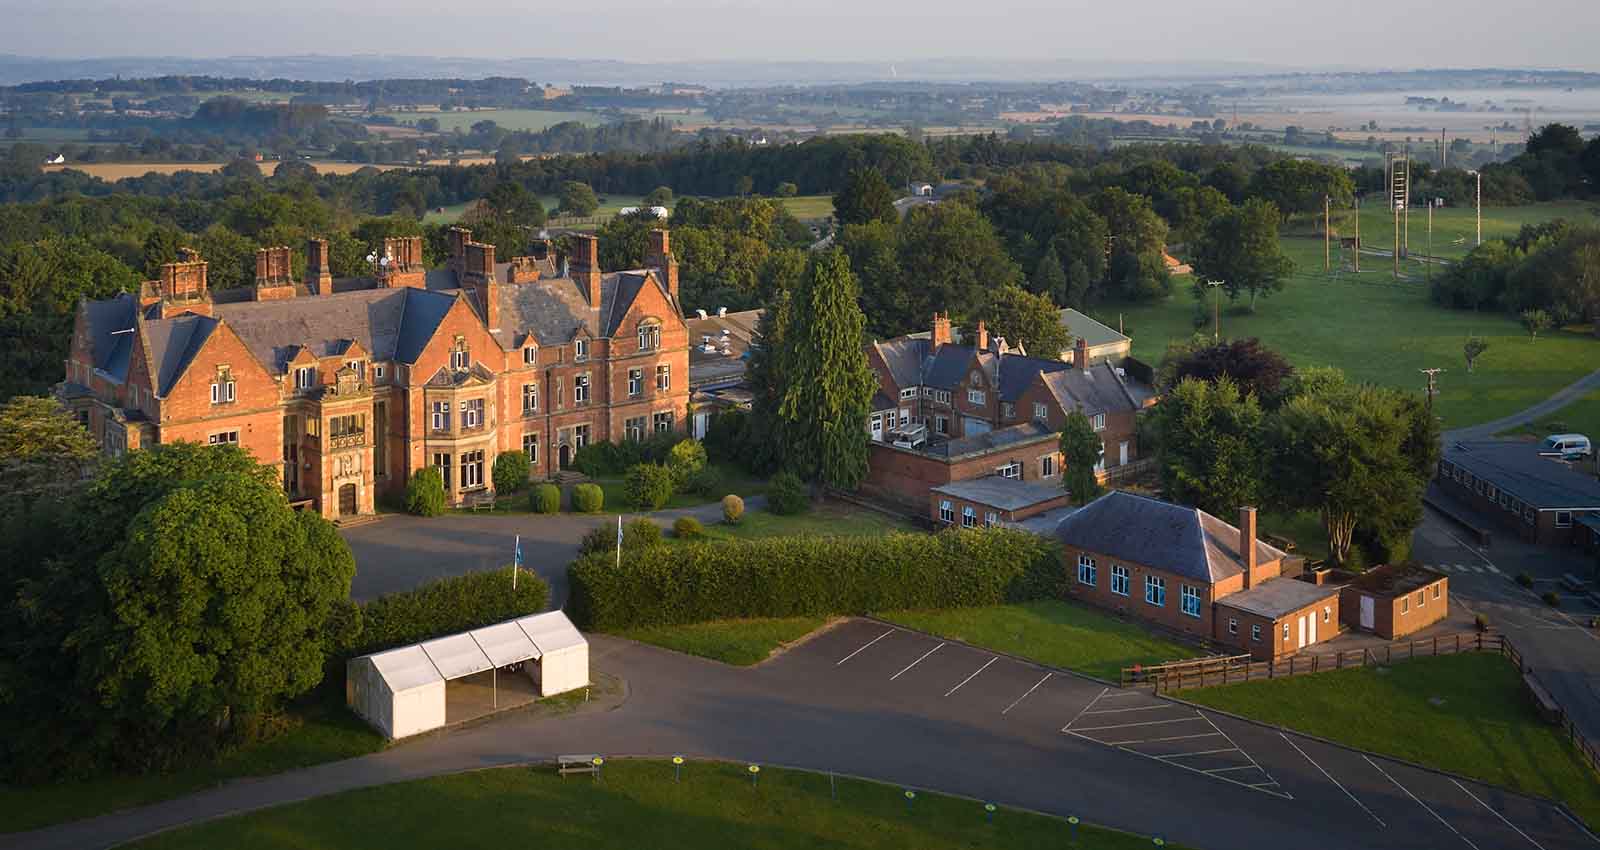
[
  {"x": 1334, "y": 781},
  {"x": 915, "y": 663},
  {"x": 1103, "y": 692},
  {"x": 1025, "y": 696},
  {"x": 1140, "y": 708},
  {"x": 1491, "y": 568},
  {"x": 1496, "y": 814},
  {"x": 973, "y": 676},
  {"x": 1145, "y": 723},
  {"x": 864, "y": 646},
  {"x": 1159, "y": 740},
  {"x": 1200, "y": 753},
  {"x": 1425, "y": 806},
  {"x": 1226, "y": 769},
  {"x": 1109, "y": 695}
]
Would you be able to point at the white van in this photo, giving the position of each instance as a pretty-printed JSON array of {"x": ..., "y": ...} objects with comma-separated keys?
[{"x": 1566, "y": 446}]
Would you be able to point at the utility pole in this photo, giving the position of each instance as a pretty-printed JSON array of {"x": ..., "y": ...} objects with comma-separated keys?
[
  {"x": 1477, "y": 204},
  {"x": 1405, "y": 206},
  {"x": 1327, "y": 234},
  {"x": 1427, "y": 262},
  {"x": 1395, "y": 254},
  {"x": 1433, "y": 388},
  {"x": 1216, "y": 310},
  {"x": 1358, "y": 233}
]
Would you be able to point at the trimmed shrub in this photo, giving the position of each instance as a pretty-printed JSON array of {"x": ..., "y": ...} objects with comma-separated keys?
[
  {"x": 686, "y": 459},
  {"x": 787, "y": 494},
  {"x": 811, "y": 576},
  {"x": 648, "y": 486},
  {"x": 425, "y": 492},
  {"x": 545, "y": 499},
  {"x": 732, "y": 509},
  {"x": 607, "y": 459},
  {"x": 641, "y": 533},
  {"x": 588, "y": 498},
  {"x": 510, "y": 472},
  {"x": 602, "y": 539},
  {"x": 707, "y": 482},
  {"x": 687, "y": 528},
  {"x": 447, "y": 606},
  {"x": 1525, "y": 580},
  {"x": 1552, "y": 598}
]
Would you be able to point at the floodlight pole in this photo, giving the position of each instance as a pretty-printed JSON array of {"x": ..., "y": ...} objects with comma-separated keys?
[
  {"x": 1358, "y": 233},
  {"x": 1477, "y": 203}
]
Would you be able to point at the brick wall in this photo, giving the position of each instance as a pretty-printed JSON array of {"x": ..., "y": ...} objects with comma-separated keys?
[
  {"x": 905, "y": 476},
  {"x": 982, "y": 511},
  {"x": 1274, "y": 643},
  {"x": 1395, "y": 617},
  {"x": 1169, "y": 615}
]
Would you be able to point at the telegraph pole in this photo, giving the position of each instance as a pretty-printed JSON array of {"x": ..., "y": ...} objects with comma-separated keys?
[
  {"x": 1427, "y": 262},
  {"x": 1433, "y": 388},
  {"x": 1358, "y": 233},
  {"x": 1216, "y": 310}
]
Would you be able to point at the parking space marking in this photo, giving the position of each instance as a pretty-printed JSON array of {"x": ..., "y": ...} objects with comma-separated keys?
[
  {"x": 1425, "y": 806},
  {"x": 1143, "y": 723},
  {"x": 863, "y": 647},
  {"x": 1122, "y": 710},
  {"x": 1335, "y": 782},
  {"x": 1202, "y": 753},
  {"x": 973, "y": 676},
  {"x": 1502, "y": 818},
  {"x": 1155, "y": 740},
  {"x": 915, "y": 663},
  {"x": 1235, "y": 767},
  {"x": 1025, "y": 696}
]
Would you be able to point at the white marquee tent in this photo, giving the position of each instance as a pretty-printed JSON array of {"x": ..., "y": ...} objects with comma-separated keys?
[{"x": 402, "y": 691}]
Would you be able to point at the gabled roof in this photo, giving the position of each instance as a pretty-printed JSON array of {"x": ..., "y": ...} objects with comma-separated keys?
[
  {"x": 1092, "y": 332},
  {"x": 903, "y": 356},
  {"x": 1178, "y": 539},
  {"x": 173, "y": 344},
  {"x": 552, "y": 310},
  {"x": 1097, "y": 390},
  {"x": 105, "y": 321}
]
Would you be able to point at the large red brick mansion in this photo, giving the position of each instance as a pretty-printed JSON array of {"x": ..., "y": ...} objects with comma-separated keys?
[{"x": 350, "y": 385}]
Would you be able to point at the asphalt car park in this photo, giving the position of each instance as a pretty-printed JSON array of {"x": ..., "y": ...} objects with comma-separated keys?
[{"x": 1373, "y": 801}]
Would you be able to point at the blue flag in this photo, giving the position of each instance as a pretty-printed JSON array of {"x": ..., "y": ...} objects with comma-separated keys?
[{"x": 516, "y": 558}]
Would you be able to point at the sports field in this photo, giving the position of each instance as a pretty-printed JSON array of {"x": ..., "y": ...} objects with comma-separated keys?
[{"x": 1454, "y": 228}]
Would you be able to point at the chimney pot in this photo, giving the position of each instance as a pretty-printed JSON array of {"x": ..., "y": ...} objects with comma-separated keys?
[
  {"x": 1080, "y": 354},
  {"x": 941, "y": 329}
]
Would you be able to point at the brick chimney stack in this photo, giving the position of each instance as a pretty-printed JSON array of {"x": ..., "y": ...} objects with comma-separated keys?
[
  {"x": 404, "y": 268},
  {"x": 319, "y": 273},
  {"x": 659, "y": 257},
  {"x": 274, "y": 280},
  {"x": 456, "y": 239},
  {"x": 477, "y": 260},
  {"x": 1080, "y": 354},
  {"x": 183, "y": 287},
  {"x": 941, "y": 329},
  {"x": 982, "y": 337},
  {"x": 586, "y": 266},
  {"x": 1247, "y": 544}
]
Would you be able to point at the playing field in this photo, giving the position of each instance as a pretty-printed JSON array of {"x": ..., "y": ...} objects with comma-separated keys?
[
  {"x": 1454, "y": 228},
  {"x": 1381, "y": 331}
]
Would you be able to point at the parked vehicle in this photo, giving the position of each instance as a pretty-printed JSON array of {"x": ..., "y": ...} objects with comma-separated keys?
[{"x": 1566, "y": 446}]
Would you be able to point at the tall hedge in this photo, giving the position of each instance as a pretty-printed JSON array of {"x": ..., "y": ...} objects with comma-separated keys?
[
  {"x": 425, "y": 492},
  {"x": 448, "y": 606},
  {"x": 812, "y": 576}
]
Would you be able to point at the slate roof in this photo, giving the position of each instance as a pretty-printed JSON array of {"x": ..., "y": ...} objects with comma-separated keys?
[
  {"x": 990, "y": 440},
  {"x": 173, "y": 343},
  {"x": 1097, "y": 390},
  {"x": 904, "y": 356},
  {"x": 1182, "y": 540},
  {"x": 110, "y": 349},
  {"x": 995, "y": 491},
  {"x": 1276, "y": 597},
  {"x": 391, "y": 324},
  {"x": 1517, "y": 468},
  {"x": 1092, "y": 332}
]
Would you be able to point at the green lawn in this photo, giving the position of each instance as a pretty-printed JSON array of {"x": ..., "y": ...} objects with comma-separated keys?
[
  {"x": 1380, "y": 331},
  {"x": 326, "y": 732},
  {"x": 838, "y": 519},
  {"x": 1061, "y": 634},
  {"x": 1463, "y": 713},
  {"x": 808, "y": 207},
  {"x": 451, "y": 214},
  {"x": 737, "y": 642},
  {"x": 1580, "y": 416},
  {"x": 616, "y": 500},
  {"x": 636, "y": 804},
  {"x": 508, "y": 119},
  {"x": 1454, "y": 228}
]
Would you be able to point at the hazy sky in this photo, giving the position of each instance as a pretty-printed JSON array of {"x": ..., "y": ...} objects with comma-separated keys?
[{"x": 1431, "y": 33}]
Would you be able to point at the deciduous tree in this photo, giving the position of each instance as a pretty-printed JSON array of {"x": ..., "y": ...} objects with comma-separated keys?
[
  {"x": 1027, "y": 319},
  {"x": 1081, "y": 451},
  {"x": 1240, "y": 247},
  {"x": 866, "y": 196},
  {"x": 1209, "y": 437}
]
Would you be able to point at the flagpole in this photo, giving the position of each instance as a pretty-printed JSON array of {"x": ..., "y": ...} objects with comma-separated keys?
[
  {"x": 516, "y": 563},
  {"x": 619, "y": 541}
]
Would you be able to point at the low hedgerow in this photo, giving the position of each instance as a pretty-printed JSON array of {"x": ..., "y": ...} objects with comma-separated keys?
[
  {"x": 641, "y": 532},
  {"x": 447, "y": 606},
  {"x": 811, "y": 576}
]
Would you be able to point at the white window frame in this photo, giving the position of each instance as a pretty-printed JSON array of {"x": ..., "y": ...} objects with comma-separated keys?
[
  {"x": 530, "y": 355},
  {"x": 305, "y": 377},
  {"x": 580, "y": 350},
  {"x": 1040, "y": 412},
  {"x": 990, "y": 519},
  {"x": 1189, "y": 600},
  {"x": 1155, "y": 591},
  {"x": 1285, "y": 631},
  {"x": 580, "y": 388},
  {"x": 1327, "y": 613},
  {"x": 1011, "y": 470},
  {"x": 649, "y": 336},
  {"x": 975, "y": 396},
  {"x": 530, "y": 447},
  {"x": 969, "y": 517},
  {"x": 1405, "y": 606},
  {"x": 1563, "y": 523},
  {"x": 1098, "y": 421},
  {"x": 1047, "y": 466},
  {"x": 220, "y": 438},
  {"x": 530, "y": 397},
  {"x": 1087, "y": 575},
  {"x": 1233, "y": 625},
  {"x": 908, "y": 393},
  {"x": 663, "y": 377},
  {"x": 1436, "y": 591},
  {"x": 378, "y": 372},
  {"x": 440, "y": 416},
  {"x": 947, "y": 512},
  {"x": 460, "y": 359},
  {"x": 472, "y": 411},
  {"x": 660, "y": 425},
  {"x": 635, "y": 382},
  {"x": 1121, "y": 577},
  {"x": 1255, "y": 632}
]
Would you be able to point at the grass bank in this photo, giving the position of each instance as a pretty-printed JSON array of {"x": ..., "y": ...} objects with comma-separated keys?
[
  {"x": 737, "y": 642},
  {"x": 637, "y": 804},
  {"x": 1464, "y": 713}
]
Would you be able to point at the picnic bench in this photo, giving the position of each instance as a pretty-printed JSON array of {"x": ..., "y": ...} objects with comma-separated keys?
[{"x": 584, "y": 763}]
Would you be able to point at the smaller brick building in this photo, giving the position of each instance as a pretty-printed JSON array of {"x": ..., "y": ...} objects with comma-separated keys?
[
  {"x": 992, "y": 500},
  {"x": 1542, "y": 499},
  {"x": 1191, "y": 572},
  {"x": 1395, "y": 600}
]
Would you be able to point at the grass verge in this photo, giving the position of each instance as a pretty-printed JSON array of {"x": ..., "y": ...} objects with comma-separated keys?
[
  {"x": 1580, "y": 416},
  {"x": 1463, "y": 713},
  {"x": 837, "y": 519},
  {"x": 737, "y": 642},
  {"x": 324, "y": 731},
  {"x": 1061, "y": 634},
  {"x": 636, "y": 804}
]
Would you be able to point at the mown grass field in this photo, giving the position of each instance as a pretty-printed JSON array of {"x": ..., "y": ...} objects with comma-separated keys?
[
  {"x": 737, "y": 642},
  {"x": 1464, "y": 713},
  {"x": 1454, "y": 230},
  {"x": 1061, "y": 634},
  {"x": 508, "y": 119},
  {"x": 1580, "y": 416},
  {"x": 637, "y": 804},
  {"x": 1380, "y": 331}
]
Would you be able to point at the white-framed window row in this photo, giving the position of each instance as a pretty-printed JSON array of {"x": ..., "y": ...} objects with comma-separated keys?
[
  {"x": 649, "y": 336},
  {"x": 305, "y": 377},
  {"x": 222, "y": 389},
  {"x": 1010, "y": 470},
  {"x": 224, "y": 438},
  {"x": 908, "y": 393},
  {"x": 1189, "y": 600},
  {"x": 991, "y": 519},
  {"x": 1155, "y": 590},
  {"x": 1086, "y": 571},
  {"x": 976, "y": 396},
  {"x": 1120, "y": 580},
  {"x": 947, "y": 512},
  {"x": 440, "y": 416},
  {"x": 969, "y": 517}
]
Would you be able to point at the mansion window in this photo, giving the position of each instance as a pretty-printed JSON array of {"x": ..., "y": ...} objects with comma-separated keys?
[
  {"x": 460, "y": 358},
  {"x": 1047, "y": 466},
  {"x": 580, "y": 349},
  {"x": 530, "y": 447},
  {"x": 635, "y": 381},
  {"x": 472, "y": 414},
  {"x": 1119, "y": 580},
  {"x": 222, "y": 389},
  {"x": 530, "y": 398},
  {"x": 377, "y": 372},
  {"x": 344, "y": 426},
  {"x": 1040, "y": 412},
  {"x": 441, "y": 462},
  {"x": 1255, "y": 632},
  {"x": 1189, "y": 600},
  {"x": 440, "y": 420},
  {"x": 976, "y": 396},
  {"x": 663, "y": 421},
  {"x": 472, "y": 469},
  {"x": 663, "y": 377},
  {"x": 947, "y": 512},
  {"x": 1086, "y": 570},
  {"x": 359, "y": 367},
  {"x": 908, "y": 393},
  {"x": 634, "y": 428},
  {"x": 1155, "y": 590},
  {"x": 649, "y": 336},
  {"x": 580, "y": 389},
  {"x": 305, "y": 377},
  {"x": 580, "y": 436},
  {"x": 1007, "y": 409},
  {"x": 969, "y": 517},
  {"x": 1098, "y": 421},
  {"x": 941, "y": 424},
  {"x": 226, "y": 438},
  {"x": 530, "y": 355}
]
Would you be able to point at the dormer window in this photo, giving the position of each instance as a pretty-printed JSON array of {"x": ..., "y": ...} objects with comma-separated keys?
[
  {"x": 359, "y": 367},
  {"x": 649, "y": 335},
  {"x": 305, "y": 377},
  {"x": 580, "y": 349},
  {"x": 460, "y": 359},
  {"x": 530, "y": 355}
]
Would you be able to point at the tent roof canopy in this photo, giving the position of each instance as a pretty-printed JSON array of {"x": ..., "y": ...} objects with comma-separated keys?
[{"x": 460, "y": 655}]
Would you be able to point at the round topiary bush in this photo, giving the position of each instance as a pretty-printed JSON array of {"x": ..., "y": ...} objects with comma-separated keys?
[
  {"x": 510, "y": 472},
  {"x": 588, "y": 498},
  {"x": 686, "y": 459},
  {"x": 641, "y": 533},
  {"x": 1524, "y": 579},
  {"x": 688, "y": 528},
  {"x": 1552, "y": 599},
  {"x": 425, "y": 492},
  {"x": 732, "y": 509},
  {"x": 787, "y": 494},
  {"x": 545, "y": 499},
  {"x": 648, "y": 486}
]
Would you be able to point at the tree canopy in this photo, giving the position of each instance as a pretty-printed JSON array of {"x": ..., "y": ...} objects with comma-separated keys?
[
  {"x": 1026, "y": 319},
  {"x": 865, "y": 197},
  {"x": 1240, "y": 247},
  {"x": 1209, "y": 445},
  {"x": 1081, "y": 452}
]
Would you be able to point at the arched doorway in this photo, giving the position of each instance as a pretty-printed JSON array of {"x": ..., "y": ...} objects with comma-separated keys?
[
  {"x": 566, "y": 455},
  {"x": 347, "y": 500}
]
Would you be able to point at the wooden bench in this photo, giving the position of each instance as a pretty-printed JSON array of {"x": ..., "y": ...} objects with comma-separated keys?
[
  {"x": 1548, "y": 709},
  {"x": 481, "y": 500},
  {"x": 577, "y": 764}
]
